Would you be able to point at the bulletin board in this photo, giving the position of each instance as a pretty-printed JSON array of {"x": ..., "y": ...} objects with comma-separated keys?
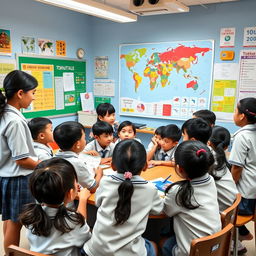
[
  {"x": 60, "y": 82},
  {"x": 169, "y": 80}
]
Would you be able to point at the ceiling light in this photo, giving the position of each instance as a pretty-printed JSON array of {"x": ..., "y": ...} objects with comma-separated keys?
[{"x": 93, "y": 8}]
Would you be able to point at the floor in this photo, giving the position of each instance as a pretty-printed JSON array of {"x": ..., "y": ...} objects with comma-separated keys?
[{"x": 250, "y": 245}]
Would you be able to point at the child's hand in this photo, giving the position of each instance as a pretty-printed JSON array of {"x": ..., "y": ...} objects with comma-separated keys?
[
  {"x": 92, "y": 153},
  {"x": 154, "y": 140},
  {"x": 106, "y": 160},
  {"x": 154, "y": 162},
  {"x": 98, "y": 170},
  {"x": 84, "y": 194}
]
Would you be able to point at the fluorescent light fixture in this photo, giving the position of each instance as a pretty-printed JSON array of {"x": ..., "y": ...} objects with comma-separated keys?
[{"x": 93, "y": 8}]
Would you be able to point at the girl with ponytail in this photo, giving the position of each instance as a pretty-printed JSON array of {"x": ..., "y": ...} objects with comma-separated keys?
[
  {"x": 191, "y": 202},
  {"x": 52, "y": 227},
  {"x": 124, "y": 202},
  {"x": 226, "y": 187}
]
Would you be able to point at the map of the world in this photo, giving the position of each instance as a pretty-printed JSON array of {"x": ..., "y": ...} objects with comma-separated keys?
[{"x": 165, "y": 80}]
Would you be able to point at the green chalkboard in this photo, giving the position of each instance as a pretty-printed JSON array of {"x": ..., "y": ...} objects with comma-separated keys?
[{"x": 60, "y": 82}]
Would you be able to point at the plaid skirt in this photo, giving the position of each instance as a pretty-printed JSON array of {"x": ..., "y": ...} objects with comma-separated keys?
[{"x": 14, "y": 194}]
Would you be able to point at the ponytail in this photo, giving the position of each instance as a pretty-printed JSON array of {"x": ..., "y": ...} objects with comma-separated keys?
[{"x": 2, "y": 103}]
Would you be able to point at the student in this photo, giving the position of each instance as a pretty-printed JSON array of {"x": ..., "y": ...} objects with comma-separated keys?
[
  {"x": 206, "y": 115},
  {"x": 52, "y": 227},
  {"x": 243, "y": 159},
  {"x": 191, "y": 202},
  {"x": 17, "y": 152},
  {"x": 41, "y": 131},
  {"x": 102, "y": 145},
  {"x": 126, "y": 130},
  {"x": 154, "y": 144},
  {"x": 124, "y": 202},
  {"x": 70, "y": 137},
  {"x": 196, "y": 129},
  {"x": 226, "y": 187},
  {"x": 171, "y": 135}
]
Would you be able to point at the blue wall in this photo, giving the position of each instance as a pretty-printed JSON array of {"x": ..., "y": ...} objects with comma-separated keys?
[{"x": 102, "y": 38}]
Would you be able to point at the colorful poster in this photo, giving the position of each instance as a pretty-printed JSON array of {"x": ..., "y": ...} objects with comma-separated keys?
[
  {"x": 6, "y": 66},
  {"x": 28, "y": 45},
  {"x": 99, "y": 100},
  {"x": 101, "y": 67},
  {"x": 60, "y": 48},
  {"x": 227, "y": 37},
  {"x": 5, "y": 42},
  {"x": 249, "y": 37},
  {"x": 165, "y": 80},
  {"x": 45, "y": 47},
  {"x": 104, "y": 87}
]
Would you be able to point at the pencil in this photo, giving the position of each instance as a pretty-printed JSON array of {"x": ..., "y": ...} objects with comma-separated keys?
[{"x": 167, "y": 178}]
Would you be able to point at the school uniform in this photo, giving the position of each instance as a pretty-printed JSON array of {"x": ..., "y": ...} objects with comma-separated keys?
[
  {"x": 57, "y": 243},
  {"x": 85, "y": 178},
  {"x": 200, "y": 222},
  {"x": 15, "y": 143},
  {"x": 43, "y": 152},
  {"x": 124, "y": 239},
  {"x": 161, "y": 155},
  {"x": 104, "y": 152},
  {"x": 243, "y": 154}
]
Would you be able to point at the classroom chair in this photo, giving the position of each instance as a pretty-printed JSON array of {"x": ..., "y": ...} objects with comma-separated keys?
[
  {"x": 217, "y": 244},
  {"x": 14, "y": 250},
  {"x": 230, "y": 214}
]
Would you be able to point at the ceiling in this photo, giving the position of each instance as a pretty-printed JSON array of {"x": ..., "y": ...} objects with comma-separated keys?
[{"x": 124, "y": 4}]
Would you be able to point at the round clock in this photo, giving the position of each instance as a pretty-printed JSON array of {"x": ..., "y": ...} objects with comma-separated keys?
[{"x": 80, "y": 53}]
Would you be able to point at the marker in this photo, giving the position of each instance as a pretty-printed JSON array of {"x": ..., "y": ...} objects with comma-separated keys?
[{"x": 167, "y": 178}]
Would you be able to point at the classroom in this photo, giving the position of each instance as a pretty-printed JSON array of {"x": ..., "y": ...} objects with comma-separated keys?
[{"x": 101, "y": 37}]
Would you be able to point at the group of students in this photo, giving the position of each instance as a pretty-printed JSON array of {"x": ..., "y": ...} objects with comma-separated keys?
[{"x": 47, "y": 186}]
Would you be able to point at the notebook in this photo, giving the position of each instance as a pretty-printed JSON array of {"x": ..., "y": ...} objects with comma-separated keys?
[{"x": 160, "y": 185}]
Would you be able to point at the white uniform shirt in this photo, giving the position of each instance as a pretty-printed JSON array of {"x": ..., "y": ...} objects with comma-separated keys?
[
  {"x": 15, "y": 143},
  {"x": 191, "y": 224},
  {"x": 85, "y": 178},
  {"x": 125, "y": 239},
  {"x": 43, "y": 152},
  {"x": 243, "y": 154},
  {"x": 168, "y": 155},
  {"x": 67, "y": 244},
  {"x": 94, "y": 145}
]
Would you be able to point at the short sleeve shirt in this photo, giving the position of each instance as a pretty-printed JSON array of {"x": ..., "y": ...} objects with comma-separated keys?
[
  {"x": 43, "y": 152},
  {"x": 168, "y": 155},
  {"x": 94, "y": 145}
]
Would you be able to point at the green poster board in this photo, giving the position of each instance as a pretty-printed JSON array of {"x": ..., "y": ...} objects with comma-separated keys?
[
  {"x": 99, "y": 100},
  {"x": 60, "y": 82}
]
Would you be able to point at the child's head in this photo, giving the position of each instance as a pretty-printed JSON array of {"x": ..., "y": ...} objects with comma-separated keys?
[
  {"x": 171, "y": 135},
  {"x": 219, "y": 141},
  {"x": 18, "y": 86},
  {"x": 196, "y": 129},
  {"x": 206, "y": 115},
  {"x": 103, "y": 133},
  {"x": 245, "y": 112},
  {"x": 126, "y": 130},
  {"x": 53, "y": 183},
  {"x": 158, "y": 133},
  {"x": 41, "y": 129},
  {"x": 106, "y": 112},
  {"x": 129, "y": 158},
  {"x": 70, "y": 136}
]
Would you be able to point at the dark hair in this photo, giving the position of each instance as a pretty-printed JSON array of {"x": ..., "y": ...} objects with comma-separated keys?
[
  {"x": 171, "y": 131},
  {"x": 128, "y": 156},
  {"x": 16, "y": 80},
  {"x": 206, "y": 115},
  {"x": 104, "y": 109},
  {"x": 49, "y": 183},
  {"x": 125, "y": 124},
  {"x": 195, "y": 164},
  {"x": 101, "y": 127},
  {"x": 247, "y": 106},
  {"x": 220, "y": 139},
  {"x": 67, "y": 134},
  {"x": 37, "y": 125},
  {"x": 197, "y": 128},
  {"x": 159, "y": 130}
]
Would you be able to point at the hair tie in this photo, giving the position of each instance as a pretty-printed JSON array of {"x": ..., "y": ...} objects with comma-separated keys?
[
  {"x": 199, "y": 151},
  {"x": 128, "y": 175},
  {"x": 251, "y": 113}
]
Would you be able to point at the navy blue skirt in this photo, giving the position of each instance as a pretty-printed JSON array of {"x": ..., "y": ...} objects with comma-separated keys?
[{"x": 14, "y": 194}]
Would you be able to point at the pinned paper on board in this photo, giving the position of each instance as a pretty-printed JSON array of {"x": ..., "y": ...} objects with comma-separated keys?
[{"x": 87, "y": 101}]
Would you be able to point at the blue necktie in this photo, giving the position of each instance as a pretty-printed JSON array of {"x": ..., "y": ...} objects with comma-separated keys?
[
  {"x": 103, "y": 153},
  {"x": 164, "y": 155}
]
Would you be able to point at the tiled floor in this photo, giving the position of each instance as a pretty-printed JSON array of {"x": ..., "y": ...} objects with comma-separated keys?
[{"x": 24, "y": 243}]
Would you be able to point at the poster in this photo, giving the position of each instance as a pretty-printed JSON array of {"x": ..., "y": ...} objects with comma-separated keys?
[
  {"x": 6, "y": 66},
  {"x": 249, "y": 37},
  {"x": 45, "y": 47},
  {"x": 5, "y": 42},
  {"x": 60, "y": 48},
  {"x": 104, "y": 87},
  {"x": 227, "y": 37},
  {"x": 99, "y": 100},
  {"x": 101, "y": 67},
  {"x": 28, "y": 45}
]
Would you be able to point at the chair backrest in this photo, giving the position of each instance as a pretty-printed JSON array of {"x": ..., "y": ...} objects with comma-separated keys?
[
  {"x": 230, "y": 214},
  {"x": 217, "y": 244},
  {"x": 13, "y": 250}
]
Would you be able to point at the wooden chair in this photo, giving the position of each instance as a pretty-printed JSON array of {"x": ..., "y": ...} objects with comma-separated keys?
[
  {"x": 217, "y": 244},
  {"x": 230, "y": 214},
  {"x": 14, "y": 250}
]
